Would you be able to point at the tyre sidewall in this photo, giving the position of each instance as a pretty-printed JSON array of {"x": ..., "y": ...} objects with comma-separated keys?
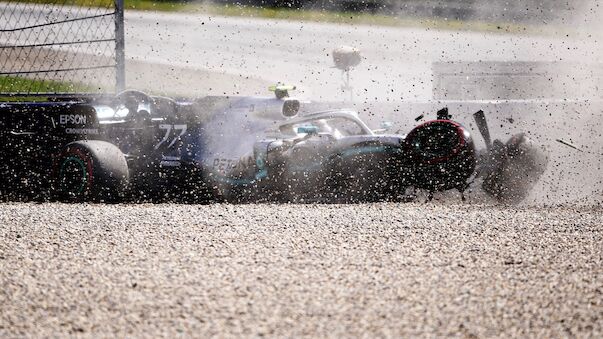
[
  {"x": 103, "y": 173},
  {"x": 72, "y": 158}
]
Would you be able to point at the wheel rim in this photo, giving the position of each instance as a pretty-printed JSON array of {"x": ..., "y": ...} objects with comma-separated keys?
[{"x": 73, "y": 176}]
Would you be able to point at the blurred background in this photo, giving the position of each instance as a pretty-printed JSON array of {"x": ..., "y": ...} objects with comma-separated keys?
[{"x": 523, "y": 11}]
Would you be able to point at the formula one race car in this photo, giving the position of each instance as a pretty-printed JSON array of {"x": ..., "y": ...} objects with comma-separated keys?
[{"x": 138, "y": 147}]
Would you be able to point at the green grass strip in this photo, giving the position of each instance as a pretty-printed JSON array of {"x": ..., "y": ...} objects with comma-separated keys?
[{"x": 13, "y": 84}]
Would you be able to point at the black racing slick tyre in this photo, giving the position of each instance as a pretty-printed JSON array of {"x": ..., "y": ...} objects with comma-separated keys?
[{"x": 90, "y": 170}]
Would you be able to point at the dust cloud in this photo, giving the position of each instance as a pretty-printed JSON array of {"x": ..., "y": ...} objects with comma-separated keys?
[
  {"x": 395, "y": 80},
  {"x": 576, "y": 176}
]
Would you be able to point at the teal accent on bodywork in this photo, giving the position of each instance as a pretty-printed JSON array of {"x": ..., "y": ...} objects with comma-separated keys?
[
  {"x": 307, "y": 130},
  {"x": 82, "y": 166},
  {"x": 261, "y": 174}
]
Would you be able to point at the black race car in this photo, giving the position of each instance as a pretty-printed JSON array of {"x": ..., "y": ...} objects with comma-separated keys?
[{"x": 138, "y": 147}]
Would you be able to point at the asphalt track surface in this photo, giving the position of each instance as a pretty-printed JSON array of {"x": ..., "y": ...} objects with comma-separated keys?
[
  {"x": 385, "y": 270},
  {"x": 396, "y": 61}
]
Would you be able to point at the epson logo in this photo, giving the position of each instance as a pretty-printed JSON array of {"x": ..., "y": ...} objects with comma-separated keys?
[{"x": 72, "y": 119}]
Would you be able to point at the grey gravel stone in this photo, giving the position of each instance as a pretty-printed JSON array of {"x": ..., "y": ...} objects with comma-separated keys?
[{"x": 300, "y": 270}]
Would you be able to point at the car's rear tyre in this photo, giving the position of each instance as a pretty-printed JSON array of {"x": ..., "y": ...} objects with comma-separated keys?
[{"x": 90, "y": 170}]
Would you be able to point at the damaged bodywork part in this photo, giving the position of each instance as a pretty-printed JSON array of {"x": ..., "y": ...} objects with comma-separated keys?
[{"x": 145, "y": 148}]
